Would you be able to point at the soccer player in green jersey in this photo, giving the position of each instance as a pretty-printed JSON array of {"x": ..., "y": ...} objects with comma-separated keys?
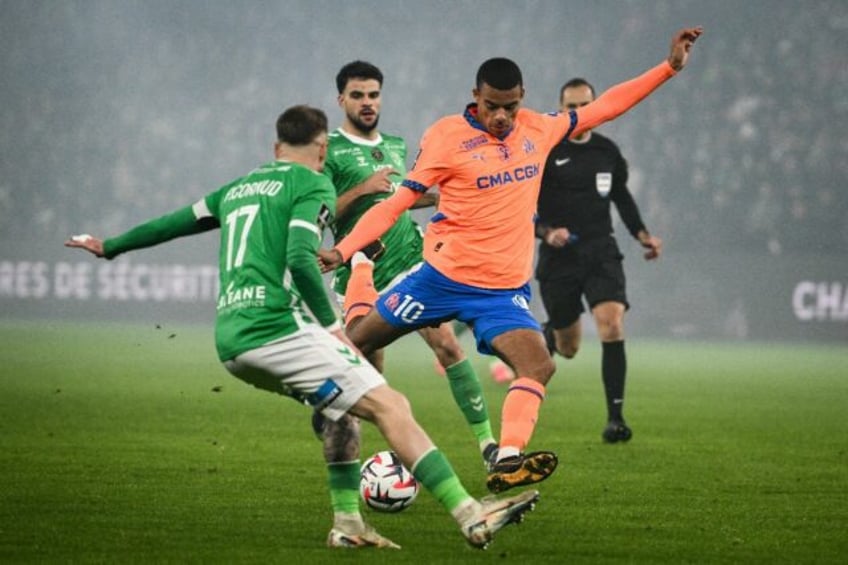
[
  {"x": 276, "y": 328},
  {"x": 366, "y": 166}
]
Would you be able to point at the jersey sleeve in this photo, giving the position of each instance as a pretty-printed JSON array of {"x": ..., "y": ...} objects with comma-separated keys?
[
  {"x": 189, "y": 220},
  {"x": 621, "y": 98},
  {"x": 431, "y": 164},
  {"x": 560, "y": 126},
  {"x": 623, "y": 199},
  {"x": 376, "y": 221},
  {"x": 310, "y": 216}
]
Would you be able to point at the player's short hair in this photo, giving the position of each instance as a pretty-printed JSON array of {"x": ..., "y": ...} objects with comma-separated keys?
[
  {"x": 357, "y": 69},
  {"x": 500, "y": 73},
  {"x": 300, "y": 125},
  {"x": 575, "y": 82}
]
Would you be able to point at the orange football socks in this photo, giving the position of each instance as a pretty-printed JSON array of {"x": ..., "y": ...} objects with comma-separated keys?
[
  {"x": 520, "y": 412},
  {"x": 360, "y": 295}
]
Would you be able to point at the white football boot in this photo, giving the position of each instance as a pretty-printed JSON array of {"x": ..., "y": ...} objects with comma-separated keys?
[
  {"x": 492, "y": 514},
  {"x": 357, "y": 537}
]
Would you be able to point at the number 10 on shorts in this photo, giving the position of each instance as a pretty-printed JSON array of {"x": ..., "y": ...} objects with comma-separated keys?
[{"x": 408, "y": 310}]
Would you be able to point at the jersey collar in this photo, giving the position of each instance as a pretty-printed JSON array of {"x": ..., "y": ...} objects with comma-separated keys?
[
  {"x": 470, "y": 116},
  {"x": 361, "y": 140}
]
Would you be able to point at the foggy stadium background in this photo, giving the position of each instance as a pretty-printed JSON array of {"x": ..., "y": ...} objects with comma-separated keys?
[{"x": 117, "y": 111}]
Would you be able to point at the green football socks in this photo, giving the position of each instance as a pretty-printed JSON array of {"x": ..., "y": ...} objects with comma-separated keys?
[
  {"x": 468, "y": 394},
  {"x": 436, "y": 474},
  {"x": 344, "y": 486}
]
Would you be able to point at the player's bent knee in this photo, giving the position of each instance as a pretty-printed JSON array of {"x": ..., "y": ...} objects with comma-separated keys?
[
  {"x": 611, "y": 332},
  {"x": 544, "y": 370},
  {"x": 566, "y": 345},
  {"x": 449, "y": 354},
  {"x": 389, "y": 404},
  {"x": 444, "y": 344},
  {"x": 568, "y": 351}
]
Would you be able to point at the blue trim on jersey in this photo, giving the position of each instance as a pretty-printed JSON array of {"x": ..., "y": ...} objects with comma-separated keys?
[
  {"x": 426, "y": 297},
  {"x": 412, "y": 185},
  {"x": 573, "y": 115},
  {"x": 470, "y": 116},
  {"x": 438, "y": 217}
]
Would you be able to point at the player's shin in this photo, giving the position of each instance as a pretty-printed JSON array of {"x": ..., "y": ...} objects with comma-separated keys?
[
  {"x": 341, "y": 453},
  {"x": 434, "y": 471},
  {"x": 519, "y": 414},
  {"x": 613, "y": 371},
  {"x": 468, "y": 394}
]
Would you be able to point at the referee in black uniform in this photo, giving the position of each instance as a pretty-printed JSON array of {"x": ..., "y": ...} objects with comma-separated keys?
[{"x": 579, "y": 256}]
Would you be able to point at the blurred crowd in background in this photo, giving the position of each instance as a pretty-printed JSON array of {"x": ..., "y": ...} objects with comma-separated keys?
[{"x": 113, "y": 118}]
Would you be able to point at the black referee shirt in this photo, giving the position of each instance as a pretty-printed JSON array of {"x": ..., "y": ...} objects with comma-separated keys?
[{"x": 579, "y": 182}]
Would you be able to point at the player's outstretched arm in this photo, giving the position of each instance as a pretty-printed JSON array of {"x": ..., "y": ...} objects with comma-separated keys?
[
  {"x": 625, "y": 95},
  {"x": 93, "y": 245},
  {"x": 374, "y": 223},
  {"x": 681, "y": 44},
  {"x": 189, "y": 220}
]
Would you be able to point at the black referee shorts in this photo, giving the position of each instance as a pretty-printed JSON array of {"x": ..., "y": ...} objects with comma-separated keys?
[{"x": 592, "y": 270}]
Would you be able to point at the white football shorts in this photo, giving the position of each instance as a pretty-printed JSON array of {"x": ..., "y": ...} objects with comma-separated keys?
[{"x": 311, "y": 366}]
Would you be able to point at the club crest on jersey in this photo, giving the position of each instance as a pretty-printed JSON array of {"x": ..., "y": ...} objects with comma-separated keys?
[
  {"x": 392, "y": 301},
  {"x": 603, "y": 183},
  {"x": 377, "y": 154},
  {"x": 504, "y": 152}
]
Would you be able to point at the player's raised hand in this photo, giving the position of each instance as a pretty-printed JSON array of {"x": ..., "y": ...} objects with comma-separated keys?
[
  {"x": 379, "y": 181},
  {"x": 329, "y": 259},
  {"x": 681, "y": 43},
  {"x": 84, "y": 241}
]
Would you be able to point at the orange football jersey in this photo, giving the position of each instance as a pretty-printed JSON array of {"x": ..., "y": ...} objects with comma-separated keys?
[{"x": 483, "y": 234}]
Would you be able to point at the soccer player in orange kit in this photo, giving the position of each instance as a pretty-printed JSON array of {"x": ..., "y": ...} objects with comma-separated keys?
[{"x": 478, "y": 248}]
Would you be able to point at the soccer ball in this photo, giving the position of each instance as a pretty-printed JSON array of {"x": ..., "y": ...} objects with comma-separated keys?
[{"x": 385, "y": 484}]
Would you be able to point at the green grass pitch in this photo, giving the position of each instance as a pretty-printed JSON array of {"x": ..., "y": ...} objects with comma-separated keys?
[{"x": 131, "y": 444}]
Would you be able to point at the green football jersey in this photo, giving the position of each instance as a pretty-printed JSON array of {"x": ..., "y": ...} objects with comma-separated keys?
[
  {"x": 269, "y": 219},
  {"x": 350, "y": 161}
]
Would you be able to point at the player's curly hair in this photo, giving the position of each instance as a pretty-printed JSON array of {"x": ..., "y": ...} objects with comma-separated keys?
[
  {"x": 300, "y": 125},
  {"x": 357, "y": 69},
  {"x": 500, "y": 73}
]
